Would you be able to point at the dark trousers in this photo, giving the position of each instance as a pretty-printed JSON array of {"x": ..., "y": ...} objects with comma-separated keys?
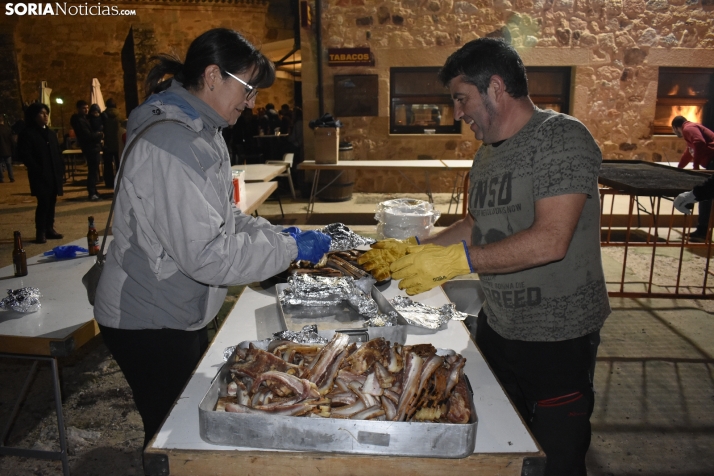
[
  {"x": 6, "y": 163},
  {"x": 45, "y": 213},
  {"x": 550, "y": 386},
  {"x": 111, "y": 167},
  {"x": 92, "y": 170},
  {"x": 157, "y": 365},
  {"x": 705, "y": 209}
]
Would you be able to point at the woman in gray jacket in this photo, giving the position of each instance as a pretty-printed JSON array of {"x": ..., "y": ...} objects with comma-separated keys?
[{"x": 179, "y": 240}]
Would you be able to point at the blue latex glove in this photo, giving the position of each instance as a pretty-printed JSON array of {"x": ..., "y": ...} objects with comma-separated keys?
[
  {"x": 65, "y": 251},
  {"x": 312, "y": 245},
  {"x": 292, "y": 231}
]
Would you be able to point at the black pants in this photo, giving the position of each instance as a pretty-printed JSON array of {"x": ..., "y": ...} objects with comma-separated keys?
[
  {"x": 45, "y": 213},
  {"x": 550, "y": 386},
  {"x": 111, "y": 167},
  {"x": 705, "y": 209},
  {"x": 92, "y": 170},
  {"x": 157, "y": 365}
]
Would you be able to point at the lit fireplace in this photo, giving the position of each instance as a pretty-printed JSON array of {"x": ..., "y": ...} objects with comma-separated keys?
[{"x": 682, "y": 92}]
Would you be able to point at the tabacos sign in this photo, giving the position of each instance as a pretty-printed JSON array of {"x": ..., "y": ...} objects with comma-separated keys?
[{"x": 349, "y": 57}]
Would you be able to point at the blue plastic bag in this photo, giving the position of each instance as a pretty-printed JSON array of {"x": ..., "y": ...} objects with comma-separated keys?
[{"x": 65, "y": 251}]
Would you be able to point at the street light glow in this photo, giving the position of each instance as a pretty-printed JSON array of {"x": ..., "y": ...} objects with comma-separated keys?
[{"x": 59, "y": 101}]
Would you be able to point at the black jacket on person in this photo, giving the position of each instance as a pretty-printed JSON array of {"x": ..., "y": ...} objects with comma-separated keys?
[
  {"x": 705, "y": 191},
  {"x": 39, "y": 150},
  {"x": 89, "y": 140}
]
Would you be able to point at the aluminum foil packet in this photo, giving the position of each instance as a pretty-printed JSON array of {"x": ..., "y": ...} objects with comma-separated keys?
[
  {"x": 22, "y": 300},
  {"x": 308, "y": 335},
  {"x": 344, "y": 239},
  {"x": 423, "y": 315},
  {"x": 307, "y": 290},
  {"x": 382, "y": 320}
]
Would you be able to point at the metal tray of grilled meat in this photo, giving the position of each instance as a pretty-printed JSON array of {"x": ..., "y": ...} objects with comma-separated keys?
[
  {"x": 338, "y": 317},
  {"x": 331, "y": 435}
]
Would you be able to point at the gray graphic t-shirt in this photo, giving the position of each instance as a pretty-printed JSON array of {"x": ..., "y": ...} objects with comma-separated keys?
[{"x": 554, "y": 154}]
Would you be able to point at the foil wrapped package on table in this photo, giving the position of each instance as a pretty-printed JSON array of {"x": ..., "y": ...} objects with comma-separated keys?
[
  {"x": 308, "y": 335},
  {"x": 309, "y": 290},
  {"x": 318, "y": 291},
  {"x": 22, "y": 300},
  {"x": 423, "y": 315},
  {"x": 344, "y": 239}
]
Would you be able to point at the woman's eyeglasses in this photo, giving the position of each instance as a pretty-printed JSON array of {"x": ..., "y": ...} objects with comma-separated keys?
[{"x": 250, "y": 91}]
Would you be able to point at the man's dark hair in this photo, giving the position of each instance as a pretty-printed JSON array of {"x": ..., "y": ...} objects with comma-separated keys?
[
  {"x": 33, "y": 110},
  {"x": 110, "y": 103},
  {"x": 82, "y": 103},
  {"x": 482, "y": 58},
  {"x": 678, "y": 121},
  {"x": 225, "y": 48},
  {"x": 270, "y": 105}
]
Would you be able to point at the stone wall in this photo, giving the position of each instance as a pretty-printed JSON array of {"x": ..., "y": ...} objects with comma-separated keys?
[
  {"x": 68, "y": 51},
  {"x": 614, "y": 46}
]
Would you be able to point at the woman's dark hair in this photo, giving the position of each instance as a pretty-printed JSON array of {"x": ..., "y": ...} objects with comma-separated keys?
[
  {"x": 95, "y": 107},
  {"x": 32, "y": 111},
  {"x": 225, "y": 48},
  {"x": 482, "y": 58}
]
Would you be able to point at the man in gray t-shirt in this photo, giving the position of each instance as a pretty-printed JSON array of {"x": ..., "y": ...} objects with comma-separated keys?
[{"x": 533, "y": 237}]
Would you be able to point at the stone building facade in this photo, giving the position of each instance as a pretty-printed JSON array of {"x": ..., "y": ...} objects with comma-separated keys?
[
  {"x": 614, "y": 47},
  {"x": 68, "y": 51}
]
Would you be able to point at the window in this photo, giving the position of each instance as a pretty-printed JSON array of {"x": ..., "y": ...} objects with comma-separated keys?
[
  {"x": 549, "y": 87},
  {"x": 687, "y": 92},
  {"x": 420, "y": 104}
]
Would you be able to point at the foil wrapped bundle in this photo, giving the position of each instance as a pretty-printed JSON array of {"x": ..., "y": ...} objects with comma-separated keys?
[
  {"x": 22, "y": 300},
  {"x": 382, "y": 320},
  {"x": 344, "y": 239},
  {"x": 308, "y": 335},
  {"x": 423, "y": 315},
  {"x": 363, "y": 304},
  {"x": 307, "y": 290}
]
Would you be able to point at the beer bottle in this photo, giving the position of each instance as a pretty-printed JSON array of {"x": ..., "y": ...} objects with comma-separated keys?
[
  {"x": 92, "y": 238},
  {"x": 19, "y": 257}
]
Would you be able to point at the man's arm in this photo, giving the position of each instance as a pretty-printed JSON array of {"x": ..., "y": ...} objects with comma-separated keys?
[
  {"x": 457, "y": 231},
  {"x": 686, "y": 158},
  {"x": 547, "y": 240}
]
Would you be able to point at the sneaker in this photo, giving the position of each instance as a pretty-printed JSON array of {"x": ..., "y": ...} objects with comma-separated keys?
[
  {"x": 95, "y": 197},
  {"x": 53, "y": 235}
]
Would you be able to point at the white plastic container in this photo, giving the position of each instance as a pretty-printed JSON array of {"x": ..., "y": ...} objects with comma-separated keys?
[
  {"x": 239, "y": 189},
  {"x": 404, "y": 217}
]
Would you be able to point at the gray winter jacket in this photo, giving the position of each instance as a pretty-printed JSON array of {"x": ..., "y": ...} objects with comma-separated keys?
[{"x": 179, "y": 240}]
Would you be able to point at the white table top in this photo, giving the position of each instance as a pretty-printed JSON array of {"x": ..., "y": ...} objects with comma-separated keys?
[
  {"x": 261, "y": 172},
  {"x": 256, "y": 194},
  {"x": 65, "y": 307},
  {"x": 376, "y": 164},
  {"x": 255, "y": 316}
]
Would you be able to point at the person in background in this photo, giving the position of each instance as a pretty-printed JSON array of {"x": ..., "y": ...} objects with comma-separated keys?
[
  {"x": 286, "y": 119},
  {"x": 269, "y": 120},
  {"x": 533, "y": 236},
  {"x": 179, "y": 240},
  {"x": 39, "y": 150},
  {"x": 5, "y": 150},
  {"x": 112, "y": 120},
  {"x": 700, "y": 151},
  {"x": 91, "y": 144}
]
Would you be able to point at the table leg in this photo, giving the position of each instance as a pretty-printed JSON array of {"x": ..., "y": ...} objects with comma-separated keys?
[{"x": 28, "y": 453}]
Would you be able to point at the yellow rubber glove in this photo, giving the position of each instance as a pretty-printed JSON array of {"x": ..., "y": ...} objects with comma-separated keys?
[
  {"x": 383, "y": 254},
  {"x": 425, "y": 267}
]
